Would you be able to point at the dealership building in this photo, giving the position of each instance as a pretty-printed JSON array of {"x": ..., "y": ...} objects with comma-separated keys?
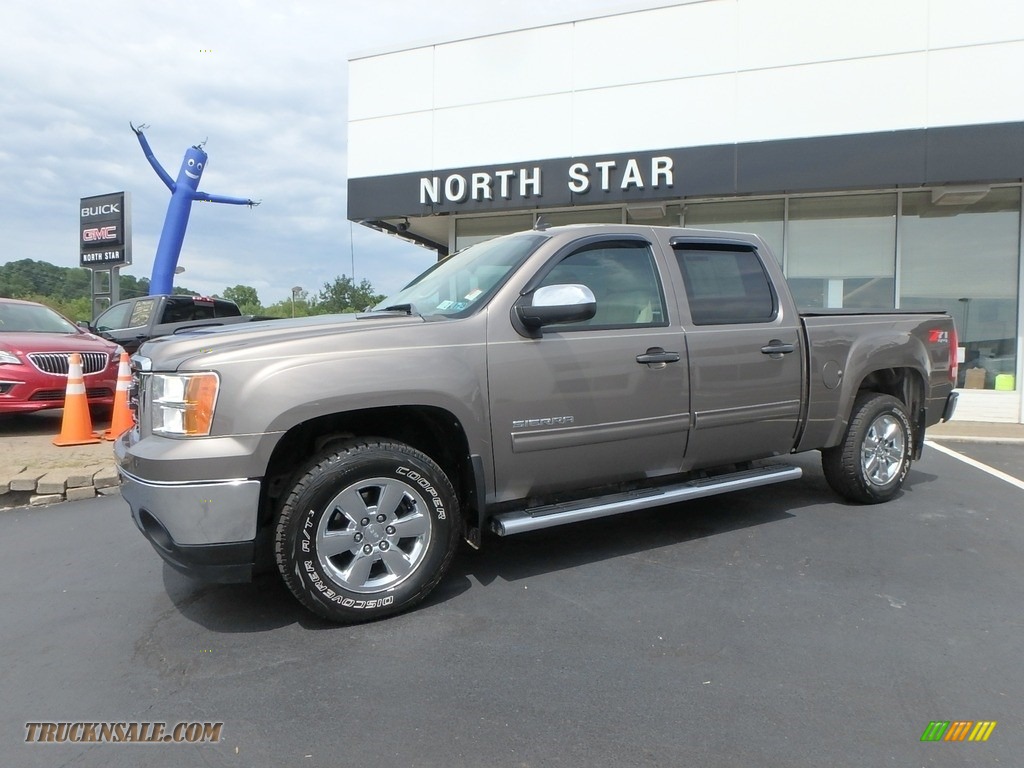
[{"x": 877, "y": 147}]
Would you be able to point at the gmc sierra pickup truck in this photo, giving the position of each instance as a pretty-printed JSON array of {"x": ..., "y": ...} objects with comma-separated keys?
[
  {"x": 132, "y": 322},
  {"x": 529, "y": 381}
]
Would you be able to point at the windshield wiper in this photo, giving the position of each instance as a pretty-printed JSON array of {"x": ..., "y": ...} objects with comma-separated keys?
[
  {"x": 405, "y": 309},
  {"x": 409, "y": 309}
]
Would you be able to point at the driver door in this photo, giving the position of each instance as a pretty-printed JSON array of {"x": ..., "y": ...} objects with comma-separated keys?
[{"x": 581, "y": 406}]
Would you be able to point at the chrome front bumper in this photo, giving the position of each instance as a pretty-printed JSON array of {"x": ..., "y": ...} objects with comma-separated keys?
[{"x": 206, "y": 530}]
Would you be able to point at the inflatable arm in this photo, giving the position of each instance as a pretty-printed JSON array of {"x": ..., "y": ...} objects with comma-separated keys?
[
  {"x": 206, "y": 197},
  {"x": 165, "y": 177}
]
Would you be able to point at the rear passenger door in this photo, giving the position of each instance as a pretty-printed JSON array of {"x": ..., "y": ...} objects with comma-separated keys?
[{"x": 745, "y": 355}]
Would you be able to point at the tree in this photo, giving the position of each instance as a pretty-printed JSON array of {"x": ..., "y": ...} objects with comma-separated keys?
[
  {"x": 245, "y": 297},
  {"x": 132, "y": 286},
  {"x": 343, "y": 295}
]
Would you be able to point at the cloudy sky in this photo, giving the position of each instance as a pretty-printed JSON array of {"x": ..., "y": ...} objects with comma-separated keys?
[{"x": 264, "y": 83}]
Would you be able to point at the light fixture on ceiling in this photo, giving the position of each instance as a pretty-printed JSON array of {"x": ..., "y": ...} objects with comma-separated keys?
[
  {"x": 966, "y": 195},
  {"x": 645, "y": 212}
]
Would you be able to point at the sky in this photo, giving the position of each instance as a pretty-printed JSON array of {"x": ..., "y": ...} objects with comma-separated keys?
[{"x": 263, "y": 83}]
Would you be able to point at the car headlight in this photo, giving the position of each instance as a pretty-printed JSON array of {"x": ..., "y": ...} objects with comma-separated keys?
[
  {"x": 182, "y": 404},
  {"x": 9, "y": 358}
]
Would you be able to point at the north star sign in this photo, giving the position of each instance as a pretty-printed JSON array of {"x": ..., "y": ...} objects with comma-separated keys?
[{"x": 655, "y": 173}]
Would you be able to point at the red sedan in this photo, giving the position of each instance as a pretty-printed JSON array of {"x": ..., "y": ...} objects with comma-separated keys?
[{"x": 35, "y": 344}]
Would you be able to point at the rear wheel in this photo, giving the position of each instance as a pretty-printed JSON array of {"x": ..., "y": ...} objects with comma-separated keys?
[
  {"x": 872, "y": 461},
  {"x": 367, "y": 531}
]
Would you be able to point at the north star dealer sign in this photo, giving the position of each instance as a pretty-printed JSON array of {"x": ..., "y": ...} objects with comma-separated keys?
[
  {"x": 104, "y": 230},
  {"x": 620, "y": 178}
]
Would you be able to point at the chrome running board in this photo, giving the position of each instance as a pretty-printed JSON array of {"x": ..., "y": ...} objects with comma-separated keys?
[{"x": 532, "y": 519}]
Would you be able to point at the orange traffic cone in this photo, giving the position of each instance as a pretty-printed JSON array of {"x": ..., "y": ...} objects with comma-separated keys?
[
  {"x": 76, "y": 426},
  {"x": 122, "y": 419}
]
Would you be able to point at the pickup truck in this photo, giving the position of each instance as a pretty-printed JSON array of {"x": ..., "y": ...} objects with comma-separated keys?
[
  {"x": 533, "y": 380},
  {"x": 134, "y": 321}
]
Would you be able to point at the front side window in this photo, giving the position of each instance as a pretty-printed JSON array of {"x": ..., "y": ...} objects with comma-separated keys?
[
  {"x": 114, "y": 318},
  {"x": 725, "y": 286},
  {"x": 623, "y": 278}
]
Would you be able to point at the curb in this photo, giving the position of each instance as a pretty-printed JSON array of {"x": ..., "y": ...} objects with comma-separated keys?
[{"x": 21, "y": 486}]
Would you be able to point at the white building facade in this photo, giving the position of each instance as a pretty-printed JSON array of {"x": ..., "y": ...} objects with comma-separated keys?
[{"x": 878, "y": 147}]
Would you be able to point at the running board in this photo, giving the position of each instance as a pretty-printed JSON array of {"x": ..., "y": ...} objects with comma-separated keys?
[{"x": 519, "y": 521}]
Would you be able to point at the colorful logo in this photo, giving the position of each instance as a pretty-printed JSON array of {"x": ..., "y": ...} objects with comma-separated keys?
[{"x": 959, "y": 730}]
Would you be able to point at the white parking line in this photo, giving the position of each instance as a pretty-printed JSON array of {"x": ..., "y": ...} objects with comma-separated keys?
[{"x": 976, "y": 464}]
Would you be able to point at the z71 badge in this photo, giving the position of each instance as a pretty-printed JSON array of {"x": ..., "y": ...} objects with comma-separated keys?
[{"x": 550, "y": 421}]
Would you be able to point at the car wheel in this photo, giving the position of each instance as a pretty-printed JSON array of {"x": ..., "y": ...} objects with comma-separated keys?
[
  {"x": 872, "y": 461},
  {"x": 367, "y": 531}
]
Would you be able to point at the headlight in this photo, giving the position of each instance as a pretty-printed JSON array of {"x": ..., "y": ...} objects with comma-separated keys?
[
  {"x": 9, "y": 358},
  {"x": 182, "y": 404}
]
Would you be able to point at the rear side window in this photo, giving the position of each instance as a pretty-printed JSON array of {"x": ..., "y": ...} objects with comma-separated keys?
[
  {"x": 141, "y": 312},
  {"x": 725, "y": 286}
]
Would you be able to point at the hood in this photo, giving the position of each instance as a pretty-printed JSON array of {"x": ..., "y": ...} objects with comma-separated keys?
[
  {"x": 254, "y": 339},
  {"x": 25, "y": 342}
]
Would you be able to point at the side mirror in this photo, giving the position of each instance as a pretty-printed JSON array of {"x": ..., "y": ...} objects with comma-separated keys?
[{"x": 552, "y": 304}]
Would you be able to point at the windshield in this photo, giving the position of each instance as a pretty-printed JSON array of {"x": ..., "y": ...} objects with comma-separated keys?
[
  {"x": 32, "y": 318},
  {"x": 455, "y": 286}
]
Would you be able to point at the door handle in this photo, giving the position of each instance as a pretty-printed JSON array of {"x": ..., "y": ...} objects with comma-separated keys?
[
  {"x": 657, "y": 355},
  {"x": 776, "y": 348}
]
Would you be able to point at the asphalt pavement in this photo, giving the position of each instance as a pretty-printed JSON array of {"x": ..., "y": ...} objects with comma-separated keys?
[{"x": 775, "y": 627}]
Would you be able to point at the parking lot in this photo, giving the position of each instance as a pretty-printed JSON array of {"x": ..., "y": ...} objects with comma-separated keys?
[{"x": 776, "y": 627}]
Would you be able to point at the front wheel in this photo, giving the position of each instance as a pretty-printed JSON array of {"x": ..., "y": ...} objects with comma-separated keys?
[
  {"x": 872, "y": 461},
  {"x": 367, "y": 531}
]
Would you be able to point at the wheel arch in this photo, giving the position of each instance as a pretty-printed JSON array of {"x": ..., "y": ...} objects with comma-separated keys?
[
  {"x": 432, "y": 430},
  {"x": 905, "y": 383}
]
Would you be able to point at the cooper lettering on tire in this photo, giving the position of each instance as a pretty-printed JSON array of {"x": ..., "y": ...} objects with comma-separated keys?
[
  {"x": 368, "y": 531},
  {"x": 872, "y": 461}
]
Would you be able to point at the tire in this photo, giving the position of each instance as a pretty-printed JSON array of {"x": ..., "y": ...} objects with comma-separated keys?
[
  {"x": 368, "y": 531},
  {"x": 872, "y": 461}
]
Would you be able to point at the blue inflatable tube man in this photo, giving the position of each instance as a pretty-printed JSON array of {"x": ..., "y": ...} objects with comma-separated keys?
[{"x": 183, "y": 191}]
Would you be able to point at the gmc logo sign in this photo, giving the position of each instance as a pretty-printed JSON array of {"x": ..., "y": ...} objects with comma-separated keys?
[{"x": 94, "y": 234}]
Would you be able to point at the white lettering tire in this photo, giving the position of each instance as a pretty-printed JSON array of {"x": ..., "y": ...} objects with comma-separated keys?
[
  {"x": 871, "y": 463},
  {"x": 367, "y": 531}
]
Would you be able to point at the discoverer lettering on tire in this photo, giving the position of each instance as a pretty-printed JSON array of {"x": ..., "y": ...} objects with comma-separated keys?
[{"x": 368, "y": 530}]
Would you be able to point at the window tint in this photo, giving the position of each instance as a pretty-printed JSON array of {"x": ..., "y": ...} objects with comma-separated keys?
[
  {"x": 624, "y": 280},
  {"x": 725, "y": 286},
  {"x": 114, "y": 318}
]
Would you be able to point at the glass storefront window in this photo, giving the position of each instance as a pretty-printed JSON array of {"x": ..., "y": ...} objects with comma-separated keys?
[
  {"x": 761, "y": 217},
  {"x": 963, "y": 258},
  {"x": 475, "y": 229},
  {"x": 842, "y": 251},
  {"x": 584, "y": 216}
]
